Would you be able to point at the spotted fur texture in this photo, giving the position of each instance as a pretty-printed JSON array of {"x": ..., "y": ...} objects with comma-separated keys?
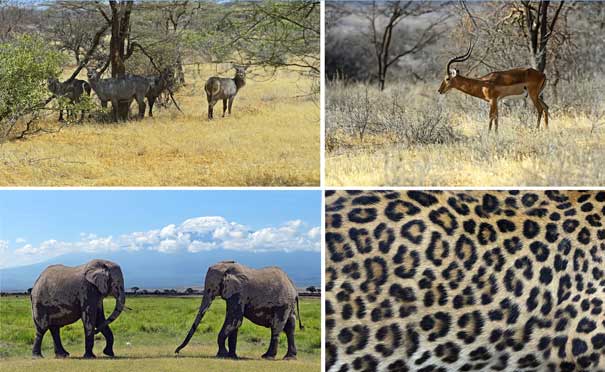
[{"x": 465, "y": 281}]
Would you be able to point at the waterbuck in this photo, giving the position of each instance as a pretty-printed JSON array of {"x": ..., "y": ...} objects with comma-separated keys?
[
  {"x": 123, "y": 89},
  {"x": 157, "y": 85},
  {"x": 224, "y": 88},
  {"x": 72, "y": 90}
]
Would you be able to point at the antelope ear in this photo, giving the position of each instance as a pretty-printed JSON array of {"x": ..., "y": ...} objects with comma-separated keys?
[
  {"x": 453, "y": 72},
  {"x": 98, "y": 275}
]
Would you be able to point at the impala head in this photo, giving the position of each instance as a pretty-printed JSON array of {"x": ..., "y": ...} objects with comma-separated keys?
[{"x": 451, "y": 74}]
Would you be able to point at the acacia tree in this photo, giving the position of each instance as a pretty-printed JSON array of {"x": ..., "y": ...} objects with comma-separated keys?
[{"x": 383, "y": 20}]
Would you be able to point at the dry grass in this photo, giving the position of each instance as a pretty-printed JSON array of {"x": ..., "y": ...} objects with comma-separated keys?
[
  {"x": 272, "y": 139},
  {"x": 570, "y": 153}
]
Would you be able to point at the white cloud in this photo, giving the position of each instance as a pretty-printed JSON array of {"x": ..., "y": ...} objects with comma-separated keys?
[
  {"x": 20, "y": 241},
  {"x": 193, "y": 235}
]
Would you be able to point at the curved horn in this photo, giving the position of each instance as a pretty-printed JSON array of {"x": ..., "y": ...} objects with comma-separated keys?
[{"x": 461, "y": 58}]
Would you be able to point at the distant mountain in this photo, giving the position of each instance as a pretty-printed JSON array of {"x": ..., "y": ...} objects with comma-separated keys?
[{"x": 151, "y": 269}]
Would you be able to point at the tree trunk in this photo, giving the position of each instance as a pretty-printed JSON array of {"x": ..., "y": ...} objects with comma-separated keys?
[{"x": 120, "y": 27}]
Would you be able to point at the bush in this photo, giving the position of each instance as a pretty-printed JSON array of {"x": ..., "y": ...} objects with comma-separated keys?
[{"x": 27, "y": 63}]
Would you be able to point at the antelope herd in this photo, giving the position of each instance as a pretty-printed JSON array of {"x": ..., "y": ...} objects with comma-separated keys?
[{"x": 129, "y": 87}]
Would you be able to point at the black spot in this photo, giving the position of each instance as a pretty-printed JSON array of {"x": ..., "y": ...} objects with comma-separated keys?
[
  {"x": 406, "y": 231},
  {"x": 505, "y": 226},
  {"x": 513, "y": 245},
  {"x": 587, "y": 207},
  {"x": 398, "y": 209},
  {"x": 600, "y": 197},
  {"x": 529, "y": 199},
  {"x": 551, "y": 233},
  {"x": 445, "y": 219},
  {"x": 486, "y": 234},
  {"x": 598, "y": 341},
  {"x": 362, "y": 215},
  {"x": 530, "y": 229},
  {"x": 545, "y": 275},
  {"x": 365, "y": 200},
  {"x": 459, "y": 207},
  {"x": 362, "y": 239},
  {"x": 405, "y": 294},
  {"x": 578, "y": 347},
  {"x": 540, "y": 250},
  {"x": 466, "y": 251},
  {"x": 490, "y": 203},
  {"x": 584, "y": 236},
  {"x": 469, "y": 226},
  {"x": 384, "y": 244},
  {"x": 586, "y": 326},
  {"x": 570, "y": 225},
  {"x": 425, "y": 199},
  {"x": 438, "y": 249}
]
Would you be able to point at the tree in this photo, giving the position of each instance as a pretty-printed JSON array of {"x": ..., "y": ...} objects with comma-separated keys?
[
  {"x": 134, "y": 290},
  {"x": 26, "y": 64},
  {"x": 539, "y": 29},
  {"x": 311, "y": 289},
  {"x": 189, "y": 290},
  {"x": 383, "y": 37}
]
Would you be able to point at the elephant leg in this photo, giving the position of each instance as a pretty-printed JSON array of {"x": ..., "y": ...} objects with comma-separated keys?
[
  {"x": 224, "y": 106},
  {"x": 278, "y": 326},
  {"x": 289, "y": 330},
  {"x": 60, "y": 352},
  {"x": 89, "y": 320},
  {"x": 106, "y": 332},
  {"x": 232, "y": 341},
  {"x": 37, "y": 349},
  {"x": 233, "y": 319}
]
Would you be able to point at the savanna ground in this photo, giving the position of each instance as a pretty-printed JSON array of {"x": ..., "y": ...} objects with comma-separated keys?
[
  {"x": 409, "y": 135},
  {"x": 272, "y": 139},
  {"x": 148, "y": 334}
]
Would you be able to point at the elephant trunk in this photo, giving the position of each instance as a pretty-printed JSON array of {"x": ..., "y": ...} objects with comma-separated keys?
[
  {"x": 120, "y": 301},
  {"x": 206, "y": 301}
]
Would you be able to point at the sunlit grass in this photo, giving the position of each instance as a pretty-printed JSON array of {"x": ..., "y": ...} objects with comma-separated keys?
[
  {"x": 271, "y": 139},
  {"x": 146, "y": 336}
]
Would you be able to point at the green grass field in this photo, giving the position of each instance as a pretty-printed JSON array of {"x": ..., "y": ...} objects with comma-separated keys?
[{"x": 146, "y": 336}]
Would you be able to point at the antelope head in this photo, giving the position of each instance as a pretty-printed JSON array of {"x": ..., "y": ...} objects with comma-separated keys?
[{"x": 451, "y": 74}]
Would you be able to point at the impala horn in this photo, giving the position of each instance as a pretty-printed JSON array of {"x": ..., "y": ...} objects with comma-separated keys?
[{"x": 461, "y": 58}]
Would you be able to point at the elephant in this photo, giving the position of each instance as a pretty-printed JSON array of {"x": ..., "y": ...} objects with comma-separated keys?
[
  {"x": 266, "y": 297},
  {"x": 61, "y": 295}
]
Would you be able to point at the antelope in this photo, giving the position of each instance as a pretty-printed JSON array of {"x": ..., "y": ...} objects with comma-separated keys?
[
  {"x": 496, "y": 85},
  {"x": 158, "y": 84},
  {"x": 224, "y": 88},
  {"x": 71, "y": 89},
  {"x": 117, "y": 90}
]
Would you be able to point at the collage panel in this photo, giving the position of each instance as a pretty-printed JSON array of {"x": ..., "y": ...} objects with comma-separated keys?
[
  {"x": 160, "y": 280},
  {"x": 465, "y": 280},
  {"x": 159, "y": 93},
  {"x": 464, "y": 94}
]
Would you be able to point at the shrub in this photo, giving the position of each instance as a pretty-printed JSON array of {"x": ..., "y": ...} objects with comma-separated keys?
[{"x": 27, "y": 63}]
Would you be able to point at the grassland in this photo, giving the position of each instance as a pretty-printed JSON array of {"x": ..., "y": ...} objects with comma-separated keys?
[
  {"x": 146, "y": 336},
  {"x": 272, "y": 139},
  {"x": 414, "y": 137}
]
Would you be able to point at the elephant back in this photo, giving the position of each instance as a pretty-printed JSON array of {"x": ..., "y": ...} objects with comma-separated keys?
[{"x": 272, "y": 284}]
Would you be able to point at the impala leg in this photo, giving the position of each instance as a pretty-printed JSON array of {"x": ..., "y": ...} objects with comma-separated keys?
[
  {"x": 493, "y": 114},
  {"x": 536, "y": 100},
  {"x": 545, "y": 108}
]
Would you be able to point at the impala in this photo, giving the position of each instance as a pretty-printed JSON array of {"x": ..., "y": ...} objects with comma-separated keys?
[{"x": 497, "y": 85}]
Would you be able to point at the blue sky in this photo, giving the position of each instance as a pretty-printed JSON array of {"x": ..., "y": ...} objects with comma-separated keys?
[{"x": 38, "y": 225}]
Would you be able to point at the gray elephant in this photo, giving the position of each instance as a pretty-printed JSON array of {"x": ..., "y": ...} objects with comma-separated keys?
[
  {"x": 266, "y": 297},
  {"x": 62, "y": 295}
]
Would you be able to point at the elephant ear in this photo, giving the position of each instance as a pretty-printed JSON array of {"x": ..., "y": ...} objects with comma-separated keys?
[
  {"x": 232, "y": 284},
  {"x": 98, "y": 275}
]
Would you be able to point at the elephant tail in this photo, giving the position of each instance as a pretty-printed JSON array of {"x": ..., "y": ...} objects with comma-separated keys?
[{"x": 300, "y": 325}]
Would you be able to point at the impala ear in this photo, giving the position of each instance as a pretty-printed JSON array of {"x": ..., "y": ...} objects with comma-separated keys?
[{"x": 453, "y": 72}]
